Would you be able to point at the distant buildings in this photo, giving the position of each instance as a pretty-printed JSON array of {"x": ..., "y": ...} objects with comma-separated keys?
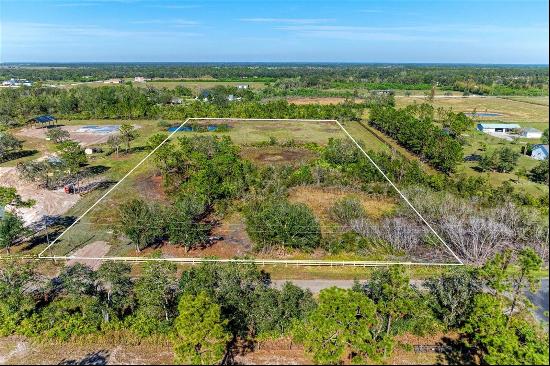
[
  {"x": 113, "y": 81},
  {"x": 16, "y": 82},
  {"x": 540, "y": 152},
  {"x": 531, "y": 133},
  {"x": 242, "y": 86},
  {"x": 141, "y": 79},
  {"x": 498, "y": 128}
]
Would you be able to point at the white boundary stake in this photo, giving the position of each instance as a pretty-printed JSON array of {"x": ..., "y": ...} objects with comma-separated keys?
[{"x": 255, "y": 261}]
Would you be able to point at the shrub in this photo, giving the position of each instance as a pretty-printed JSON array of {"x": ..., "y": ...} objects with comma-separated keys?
[{"x": 280, "y": 223}]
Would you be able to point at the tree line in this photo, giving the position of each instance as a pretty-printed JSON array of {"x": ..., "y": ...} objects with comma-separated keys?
[
  {"x": 207, "y": 310},
  {"x": 507, "y": 80},
  {"x": 413, "y": 127}
]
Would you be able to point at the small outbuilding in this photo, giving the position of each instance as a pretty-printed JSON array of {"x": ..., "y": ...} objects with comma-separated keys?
[
  {"x": 540, "y": 152},
  {"x": 45, "y": 118},
  {"x": 531, "y": 133},
  {"x": 501, "y": 128}
]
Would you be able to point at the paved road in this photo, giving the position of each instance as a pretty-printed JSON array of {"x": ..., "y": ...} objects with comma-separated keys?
[{"x": 540, "y": 299}]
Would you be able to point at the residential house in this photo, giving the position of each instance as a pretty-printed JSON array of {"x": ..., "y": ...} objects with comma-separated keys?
[{"x": 540, "y": 152}]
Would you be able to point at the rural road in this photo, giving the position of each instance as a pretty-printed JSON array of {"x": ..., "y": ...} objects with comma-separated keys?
[{"x": 540, "y": 299}]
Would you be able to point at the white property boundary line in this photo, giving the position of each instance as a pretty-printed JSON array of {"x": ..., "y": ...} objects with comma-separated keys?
[{"x": 254, "y": 261}]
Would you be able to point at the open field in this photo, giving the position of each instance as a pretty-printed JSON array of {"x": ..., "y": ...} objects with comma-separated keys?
[{"x": 510, "y": 110}]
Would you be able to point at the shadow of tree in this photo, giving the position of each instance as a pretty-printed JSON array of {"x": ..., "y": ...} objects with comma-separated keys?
[
  {"x": 93, "y": 358},
  {"x": 455, "y": 352},
  {"x": 54, "y": 225},
  {"x": 17, "y": 155}
]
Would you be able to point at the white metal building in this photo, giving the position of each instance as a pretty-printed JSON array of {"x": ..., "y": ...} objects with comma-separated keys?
[{"x": 504, "y": 128}]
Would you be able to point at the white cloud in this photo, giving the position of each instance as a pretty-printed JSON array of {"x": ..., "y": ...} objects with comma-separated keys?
[{"x": 287, "y": 20}]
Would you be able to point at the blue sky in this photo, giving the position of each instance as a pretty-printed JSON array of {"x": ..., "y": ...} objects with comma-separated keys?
[{"x": 444, "y": 31}]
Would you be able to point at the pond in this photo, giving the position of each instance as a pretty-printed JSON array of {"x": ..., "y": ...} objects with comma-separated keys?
[{"x": 483, "y": 114}]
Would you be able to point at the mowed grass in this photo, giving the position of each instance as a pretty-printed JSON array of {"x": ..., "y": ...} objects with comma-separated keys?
[
  {"x": 480, "y": 144},
  {"x": 510, "y": 110},
  {"x": 254, "y": 131}
]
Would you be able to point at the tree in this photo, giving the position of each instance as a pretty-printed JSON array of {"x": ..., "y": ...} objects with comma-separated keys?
[
  {"x": 115, "y": 284},
  {"x": 344, "y": 321},
  {"x": 8, "y": 145},
  {"x": 398, "y": 302},
  {"x": 279, "y": 222},
  {"x": 72, "y": 155},
  {"x": 156, "y": 294},
  {"x": 453, "y": 295},
  {"x": 539, "y": 173},
  {"x": 274, "y": 310},
  {"x": 77, "y": 280},
  {"x": 508, "y": 159},
  {"x": 545, "y": 137},
  {"x": 141, "y": 223},
  {"x": 57, "y": 135},
  {"x": 128, "y": 134},
  {"x": 526, "y": 278},
  {"x": 114, "y": 142},
  {"x": 183, "y": 226},
  {"x": 11, "y": 229},
  {"x": 497, "y": 341},
  {"x": 232, "y": 286},
  {"x": 16, "y": 303},
  {"x": 200, "y": 336}
]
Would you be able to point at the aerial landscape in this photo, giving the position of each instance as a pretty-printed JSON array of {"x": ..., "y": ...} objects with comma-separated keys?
[{"x": 271, "y": 182}]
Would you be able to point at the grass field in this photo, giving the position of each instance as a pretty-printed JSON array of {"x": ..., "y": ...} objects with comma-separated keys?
[
  {"x": 510, "y": 110},
  {"x": 477, "y": 141}
]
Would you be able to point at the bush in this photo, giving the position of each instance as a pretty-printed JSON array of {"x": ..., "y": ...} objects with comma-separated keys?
[
  {"x": 346, "y": 210},
  {"x": 280, "y": 223}
]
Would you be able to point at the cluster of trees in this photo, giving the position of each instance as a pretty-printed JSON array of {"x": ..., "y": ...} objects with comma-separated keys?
[
  {"x": 502, "y": 160},
  {"x": 145, "y": 224},
  {"x": 507, "y": 80},
  {"x": 9, "y": 146},
  {"x": 209, "y": 309},
  {"x": 413, "y": 127},
  {"x": 20, "y": 104}
]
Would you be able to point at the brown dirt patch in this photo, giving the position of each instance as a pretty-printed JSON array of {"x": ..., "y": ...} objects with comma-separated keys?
[
  {"x": 320, "y": 199},
  {"x": 97, "y": 249},
  {"x": 48, "y": 203},
  {"x": 21, "y": 351},
  {"x": 274, "y": 352},
  {"x": 150, "y": 187},
  {"x": 276, "y": 155}
]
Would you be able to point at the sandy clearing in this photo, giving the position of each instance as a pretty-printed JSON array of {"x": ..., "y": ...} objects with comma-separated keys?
[
  {"x": 85, "y": 138},
  {"x": 48, "y": 203},
  {"x": 97, "y": 249}
]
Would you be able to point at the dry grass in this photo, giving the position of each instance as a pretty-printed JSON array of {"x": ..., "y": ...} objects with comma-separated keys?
[
  {"x": 320, "y": 199},
  {"x": 277, "y": 155},
  {"x": 510, "y": 110}
]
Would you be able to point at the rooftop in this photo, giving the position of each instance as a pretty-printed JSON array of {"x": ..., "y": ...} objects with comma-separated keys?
[{"x": 499, "y": 125}]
